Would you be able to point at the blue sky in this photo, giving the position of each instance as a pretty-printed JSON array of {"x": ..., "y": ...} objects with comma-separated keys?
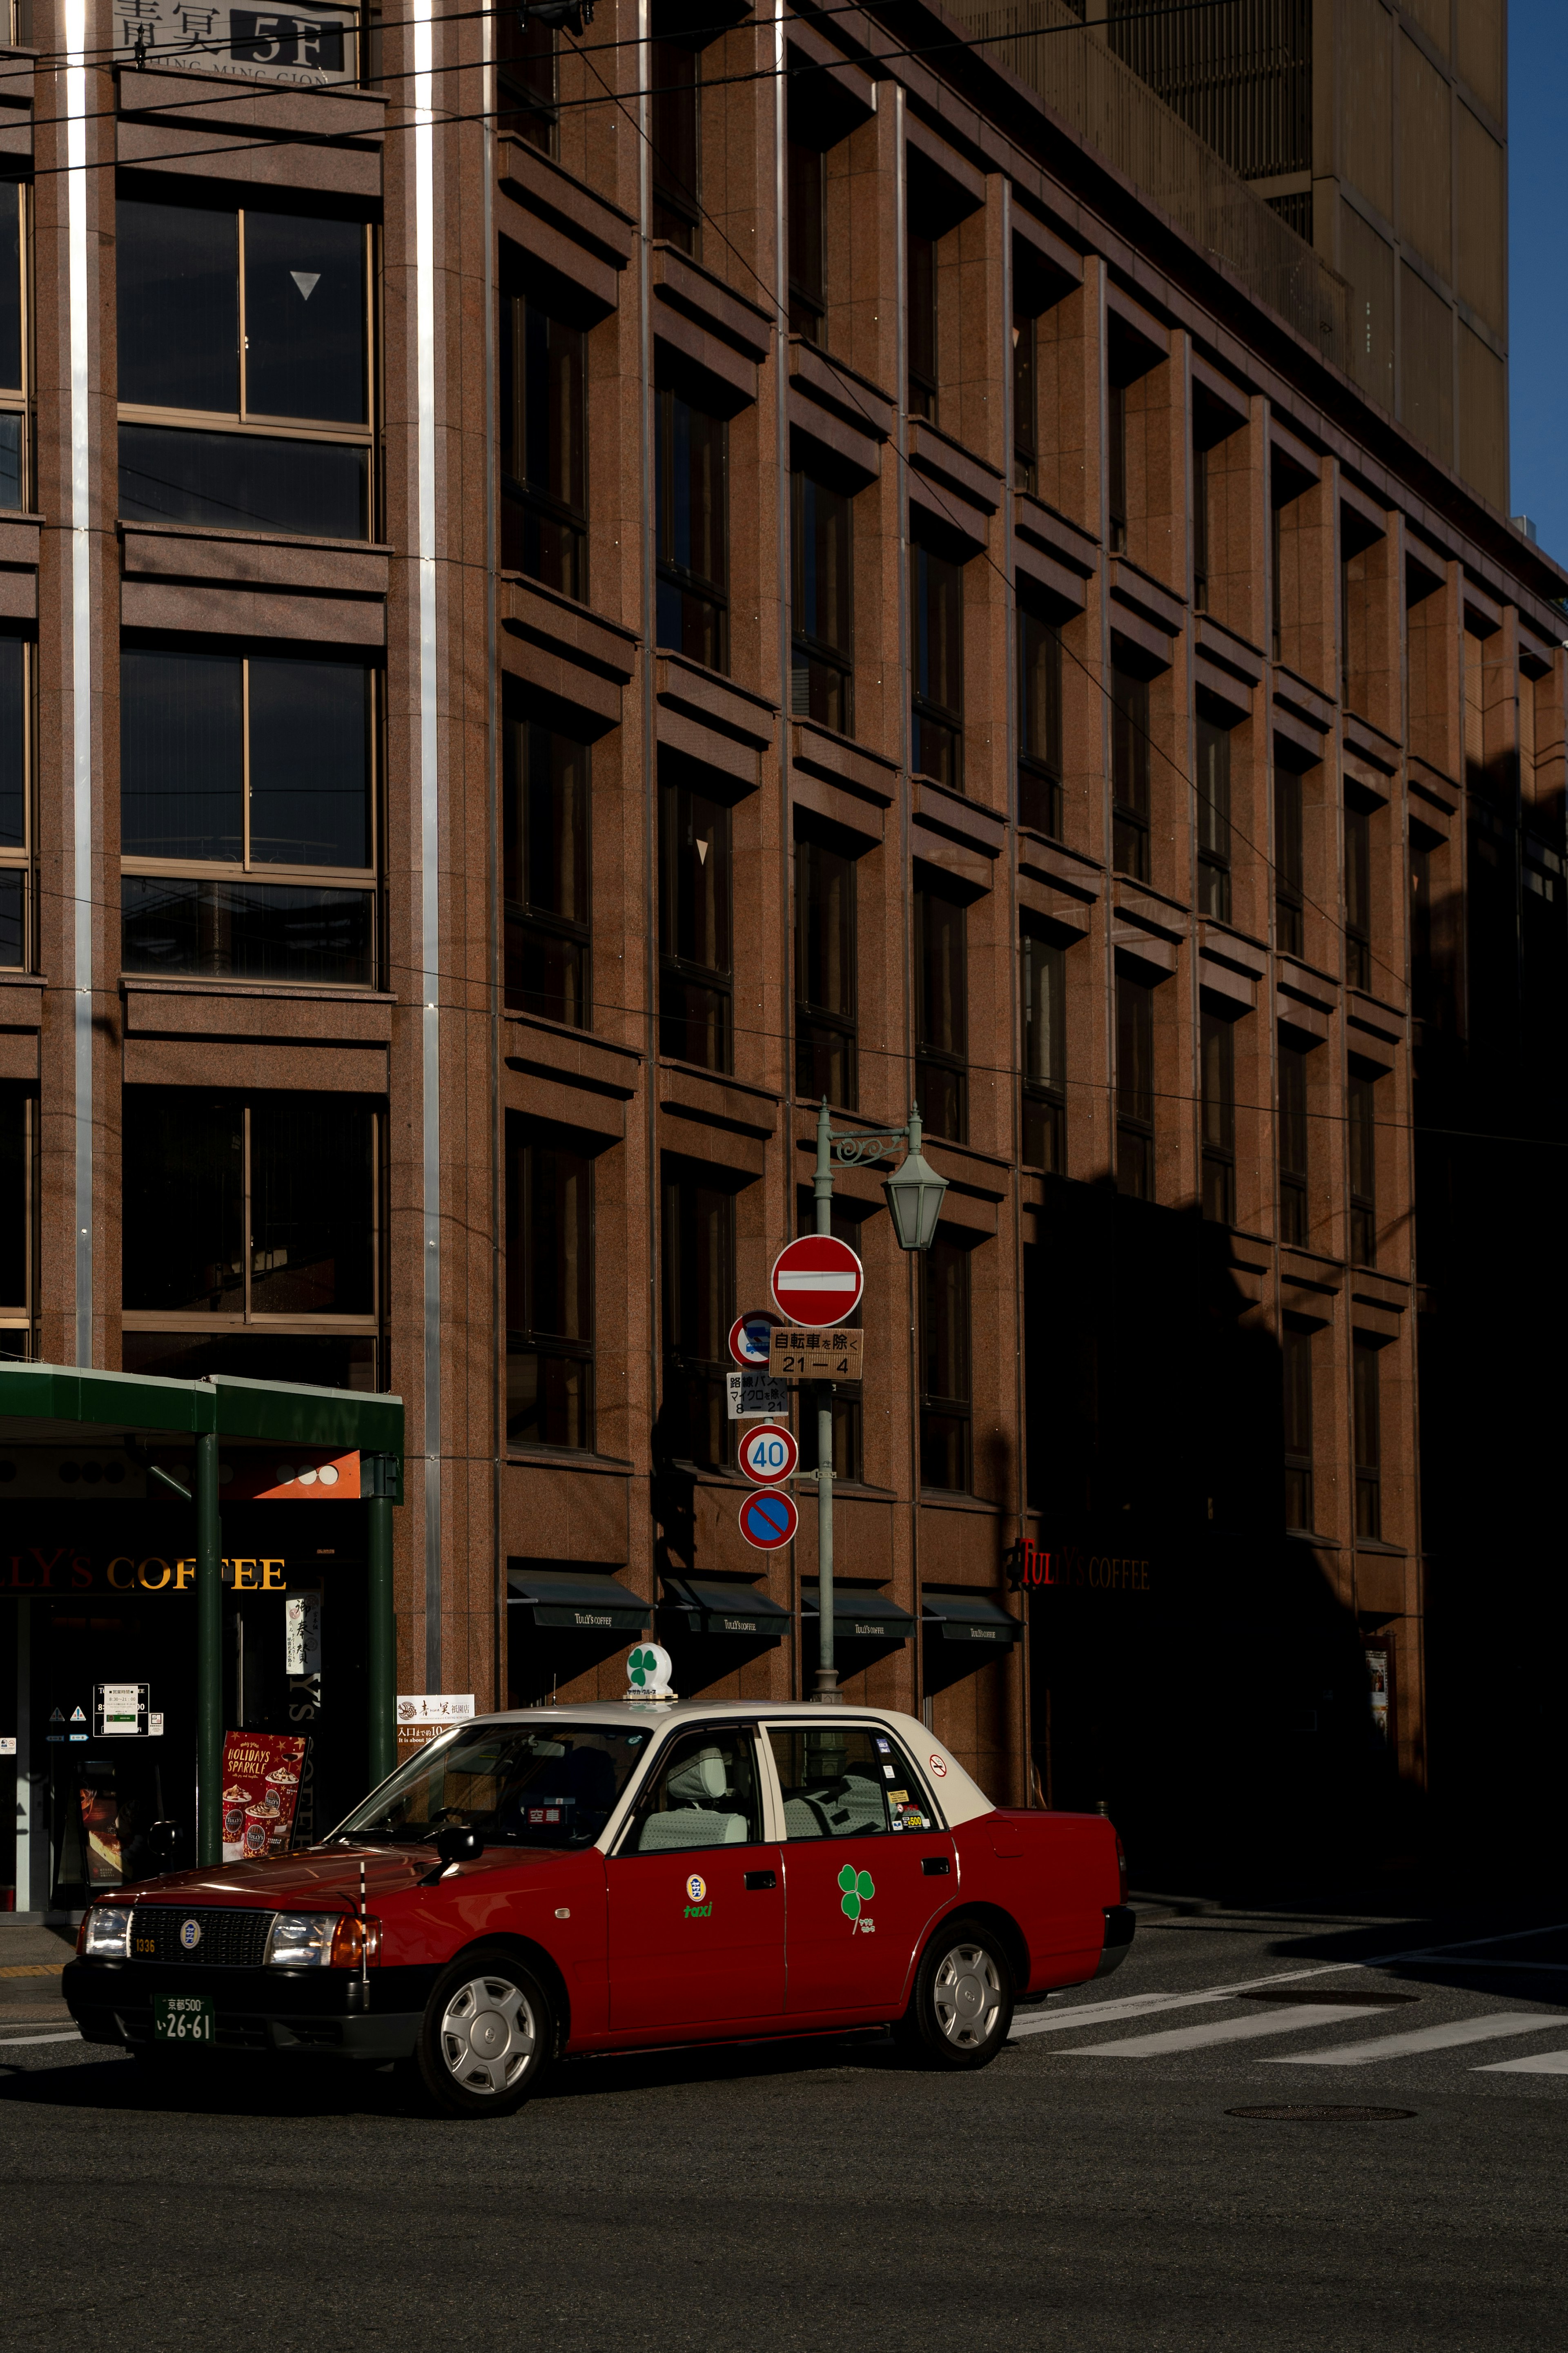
[{"x": 1538, "y": 319}]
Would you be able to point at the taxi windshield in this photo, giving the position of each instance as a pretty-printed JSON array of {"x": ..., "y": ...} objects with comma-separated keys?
[{"x": 516, "y": 1785}]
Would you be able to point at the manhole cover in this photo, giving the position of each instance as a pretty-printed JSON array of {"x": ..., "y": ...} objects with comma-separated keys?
[
  {"x": 1324, "y": 2115},
  {"x": 1340, "y": 1997}
]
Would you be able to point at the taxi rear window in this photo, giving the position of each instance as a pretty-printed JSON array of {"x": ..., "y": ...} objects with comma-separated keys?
[
  {"x": 517, "y": 1788},
  {"x": 847, "y": 1781}
]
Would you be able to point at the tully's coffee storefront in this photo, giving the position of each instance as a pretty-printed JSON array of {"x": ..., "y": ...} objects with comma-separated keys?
[{"x": 112, "y": 1665}]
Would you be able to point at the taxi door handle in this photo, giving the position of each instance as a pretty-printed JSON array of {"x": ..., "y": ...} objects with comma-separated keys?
[
  {"x": 762, "y": 1879},
  {"x": 935, "y": 1866}
]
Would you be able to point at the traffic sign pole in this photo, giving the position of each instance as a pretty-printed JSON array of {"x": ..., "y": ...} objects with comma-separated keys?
[{"x": 827, "y": 1663}]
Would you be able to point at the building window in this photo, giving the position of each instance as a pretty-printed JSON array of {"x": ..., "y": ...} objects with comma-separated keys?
[
  {"x": 699, "y": 1267},
  {"x": 254, "y": 1216},
  {"x": 822, "y": 660},
  {"x": 1289, "y": 899},
  {"x": 1116, "y": 466},
  {"x": 1129, "y": 772},
  {"x": 693, "y": 531},
  {"x": 525, "y": 79},
  {"x": 1293, "y": 1158},
  {"x": 238, "y": 765},
  {"x": 696, "y": 972},
  {"x": 806, "y": 190},
  {"x": 1360, "y": 1095},
  {"x": 1422, "y": 993},
  {"x": 1045, "y": 1054},
  {"x": 1367, "y": 1415},
  {"x": 1214, "y": 820},
  {"x": 1039, "y": 724},
  {"x": 15, "y": 804},
  {"x": 848, "y": 1457},
  {"x": 544, "y": 857},
  {"x": 543, "y": 445},
  {"x": 824, "y": 974},
  {"x": 936, "y": 598},
  {"x": 1134, "y": 1087},
  {"x": 1200, "y": 528},
  {"x": 1358, "y": 893},
  {"x": 677, "y": 166},
  {"x": 18, "y": 1115},
  {"x": 921, "y": 324},
  {"x": 946, "y": 1406},
  {"x": 245, "y": 369},
  {"x": 1217, "y": 1059},
  {"x": 942, "y": 1043},
  {"x": 548, "y": 1292},
  {"x": 14, "y": 467},
  {"x": 1296, "y": 1369},
  {"x": 1026, "y": 416}
]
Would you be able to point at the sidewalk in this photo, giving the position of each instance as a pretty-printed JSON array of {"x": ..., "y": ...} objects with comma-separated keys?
[{"x": 31, "y": 1960}]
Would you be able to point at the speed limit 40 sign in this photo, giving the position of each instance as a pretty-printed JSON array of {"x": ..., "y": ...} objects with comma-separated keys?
[{"x": 769, "y": 1453}]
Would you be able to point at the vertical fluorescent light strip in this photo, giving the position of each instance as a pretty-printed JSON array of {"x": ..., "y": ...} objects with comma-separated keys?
[
  {"x": 430, "y": 818},
  {"x": 81, "y": 661}
]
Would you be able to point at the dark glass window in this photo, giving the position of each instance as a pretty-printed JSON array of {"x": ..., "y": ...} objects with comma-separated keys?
[
  {"x": 1296, "y": 1381},
  {"x": 1130, "y": 771},
  {"x": 13, "y": 348},
  {"x": 17, "y": 1116},
  {"x": 822, "y": 660},
  {"x": 525, "y": 79},
  {"x": 1360, "y": 1100},
  {"x": 1116, "y": 464},
  {"x": 1025, "y": 422},
  {"x": 1289, "y": 917},
  {"x": 1200, "y": 528},
  {"x": 1039, "y": 724},
  {"x": 942, "y": 1042},
  {"x": 1293, "y": 1145},
  {"x": 677, "y": 182},
  {"x": 1214, "y": 820},
  {"x": 825, "y": 974},
  {"x": 699, "y": 1268},
  {"x": 1358, "y": 893},
  {"x": 1134, "y": 1087},
  {"x": 14, "y": 802},
  {"x": 1216, "y": 1057},
  {"x": 808, "y": 194},
  {"x": 936, "y": 597},
  {"x": 248, "y": 1208},
  {"x": 548, "y": 1291},
  {"x": 1045, "y": 1054},
  {"x": 922, "y": 324},
  {"x": 544, "y": 452},
  {"x": 1422, "y": 995},
  {"x": 693, "y": 531},
  {"x": 696, "y": 971},
  {"x": 1368, "y": 1418},
  {"x": 246, "y": 763},
  {"x": 544, "y": 823},
  {"x": 946, "y": 1405}
]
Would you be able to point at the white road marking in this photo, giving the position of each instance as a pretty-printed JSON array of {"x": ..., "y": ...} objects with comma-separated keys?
[
  {"x": 1496, "y": 2022},
  {"x": 1134, "y": 2005},
  {"x": 1289, "y": 2019},
  {"x": 15, "y": 2042},
  {"x": 1545, "y": 2062}
]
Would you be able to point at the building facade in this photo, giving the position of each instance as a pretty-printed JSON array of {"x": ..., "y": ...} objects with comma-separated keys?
[{"x": 573, "y": 589}]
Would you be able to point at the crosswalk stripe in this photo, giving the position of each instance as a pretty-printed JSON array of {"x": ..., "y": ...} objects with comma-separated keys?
[
  {"x": 1425, "y": 2038},
  {"x": 1286, "y": 2020},
  {"x": 1135, "y": 2005},
  {"x": 1540, "y": 2062}
]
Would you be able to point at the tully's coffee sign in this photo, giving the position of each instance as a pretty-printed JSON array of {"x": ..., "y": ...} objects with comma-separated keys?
[
  {"x": 1029, "y": 1564},
  {"x": 63, "y": 1570}
]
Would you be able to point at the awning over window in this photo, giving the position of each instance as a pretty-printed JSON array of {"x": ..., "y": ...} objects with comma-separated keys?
[
  {"x": 860, "y": 1616},
  {"x": 710, "y": 1609},
  {"x": 969, "y": 1617},
  {"x": 583, "y": 1600}
]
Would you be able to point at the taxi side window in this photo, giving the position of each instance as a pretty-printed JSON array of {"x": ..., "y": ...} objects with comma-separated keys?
[
  {"x": 846, "y": 1782},
  {"x": 703, "y": 1793}
]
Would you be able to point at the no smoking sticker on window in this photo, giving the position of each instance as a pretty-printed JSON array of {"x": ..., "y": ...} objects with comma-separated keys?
[{"x": 939, "y": 1768}]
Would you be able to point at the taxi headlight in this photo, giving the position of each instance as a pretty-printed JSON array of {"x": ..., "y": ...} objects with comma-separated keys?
[
  {"x": 300, "y": 1940},
  {"x": 108, "y": 1936}
]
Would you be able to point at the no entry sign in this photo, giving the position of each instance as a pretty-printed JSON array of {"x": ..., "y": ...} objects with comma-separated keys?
[
  {"x": 769, "y": 1520},
  {"x": 816, "y": 1281},
  {"x": 769, "y": 1453}
]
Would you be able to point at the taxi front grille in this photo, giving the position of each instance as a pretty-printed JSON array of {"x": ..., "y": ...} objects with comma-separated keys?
[{"x": 227, "y": 1938}]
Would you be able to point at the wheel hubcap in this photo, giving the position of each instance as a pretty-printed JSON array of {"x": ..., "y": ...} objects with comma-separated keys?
[
  {"x": 968, "y": 1996},
  {"x": 487, "y": 2035}
]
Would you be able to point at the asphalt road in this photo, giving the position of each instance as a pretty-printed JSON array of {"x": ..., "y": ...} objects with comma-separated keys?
[{"x": 1086, "y": 2192}]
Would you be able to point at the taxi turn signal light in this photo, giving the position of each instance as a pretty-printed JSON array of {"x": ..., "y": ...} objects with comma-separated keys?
[{"x": 356, "y": 1943}]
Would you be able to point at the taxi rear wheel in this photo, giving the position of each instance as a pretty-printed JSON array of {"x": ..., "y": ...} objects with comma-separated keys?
[
  {"x": 962, "y": 2004},
  {"x": 486, "y": 2037}
]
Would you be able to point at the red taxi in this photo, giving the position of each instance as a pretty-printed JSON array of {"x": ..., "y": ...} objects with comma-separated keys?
[{"x": 616, "y": 1877}]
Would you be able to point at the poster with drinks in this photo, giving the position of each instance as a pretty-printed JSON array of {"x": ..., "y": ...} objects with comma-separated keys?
[{"x": 260, "y": 1790}]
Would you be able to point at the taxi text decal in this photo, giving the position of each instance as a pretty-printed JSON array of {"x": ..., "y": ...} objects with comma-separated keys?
[{"x": 858, "y": 1889}]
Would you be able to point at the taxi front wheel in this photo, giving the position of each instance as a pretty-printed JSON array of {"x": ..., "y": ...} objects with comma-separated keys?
[
  {"x": 962, "y": 2004},
  {"x": 486, "y": 2037}
]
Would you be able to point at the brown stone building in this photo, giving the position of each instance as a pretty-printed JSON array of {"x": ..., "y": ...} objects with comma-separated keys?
[{"x": 572, "y": 589}]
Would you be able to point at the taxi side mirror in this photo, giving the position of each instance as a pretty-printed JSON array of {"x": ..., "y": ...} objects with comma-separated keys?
[{"x": 459, "y": 1842}]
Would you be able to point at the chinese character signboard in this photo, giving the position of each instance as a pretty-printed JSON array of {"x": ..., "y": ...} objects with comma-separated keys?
[
  {"x": 311, "y": 47},
  {"x": 261, "y": 1787},
  {"x": 423, "y": 1716}
]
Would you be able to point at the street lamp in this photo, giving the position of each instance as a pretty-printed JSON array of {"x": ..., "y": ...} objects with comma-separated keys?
[{"x": 914, "y": 1193}]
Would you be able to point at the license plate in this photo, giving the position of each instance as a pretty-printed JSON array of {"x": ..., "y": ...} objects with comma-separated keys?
[{"x": 184, "y": 2018}]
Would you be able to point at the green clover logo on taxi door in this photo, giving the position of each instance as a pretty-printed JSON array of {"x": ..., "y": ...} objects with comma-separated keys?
[{"x": 858, "y": 1889}]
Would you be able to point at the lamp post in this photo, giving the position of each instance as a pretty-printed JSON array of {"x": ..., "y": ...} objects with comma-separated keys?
[{"x": 913, "y": 1194}]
